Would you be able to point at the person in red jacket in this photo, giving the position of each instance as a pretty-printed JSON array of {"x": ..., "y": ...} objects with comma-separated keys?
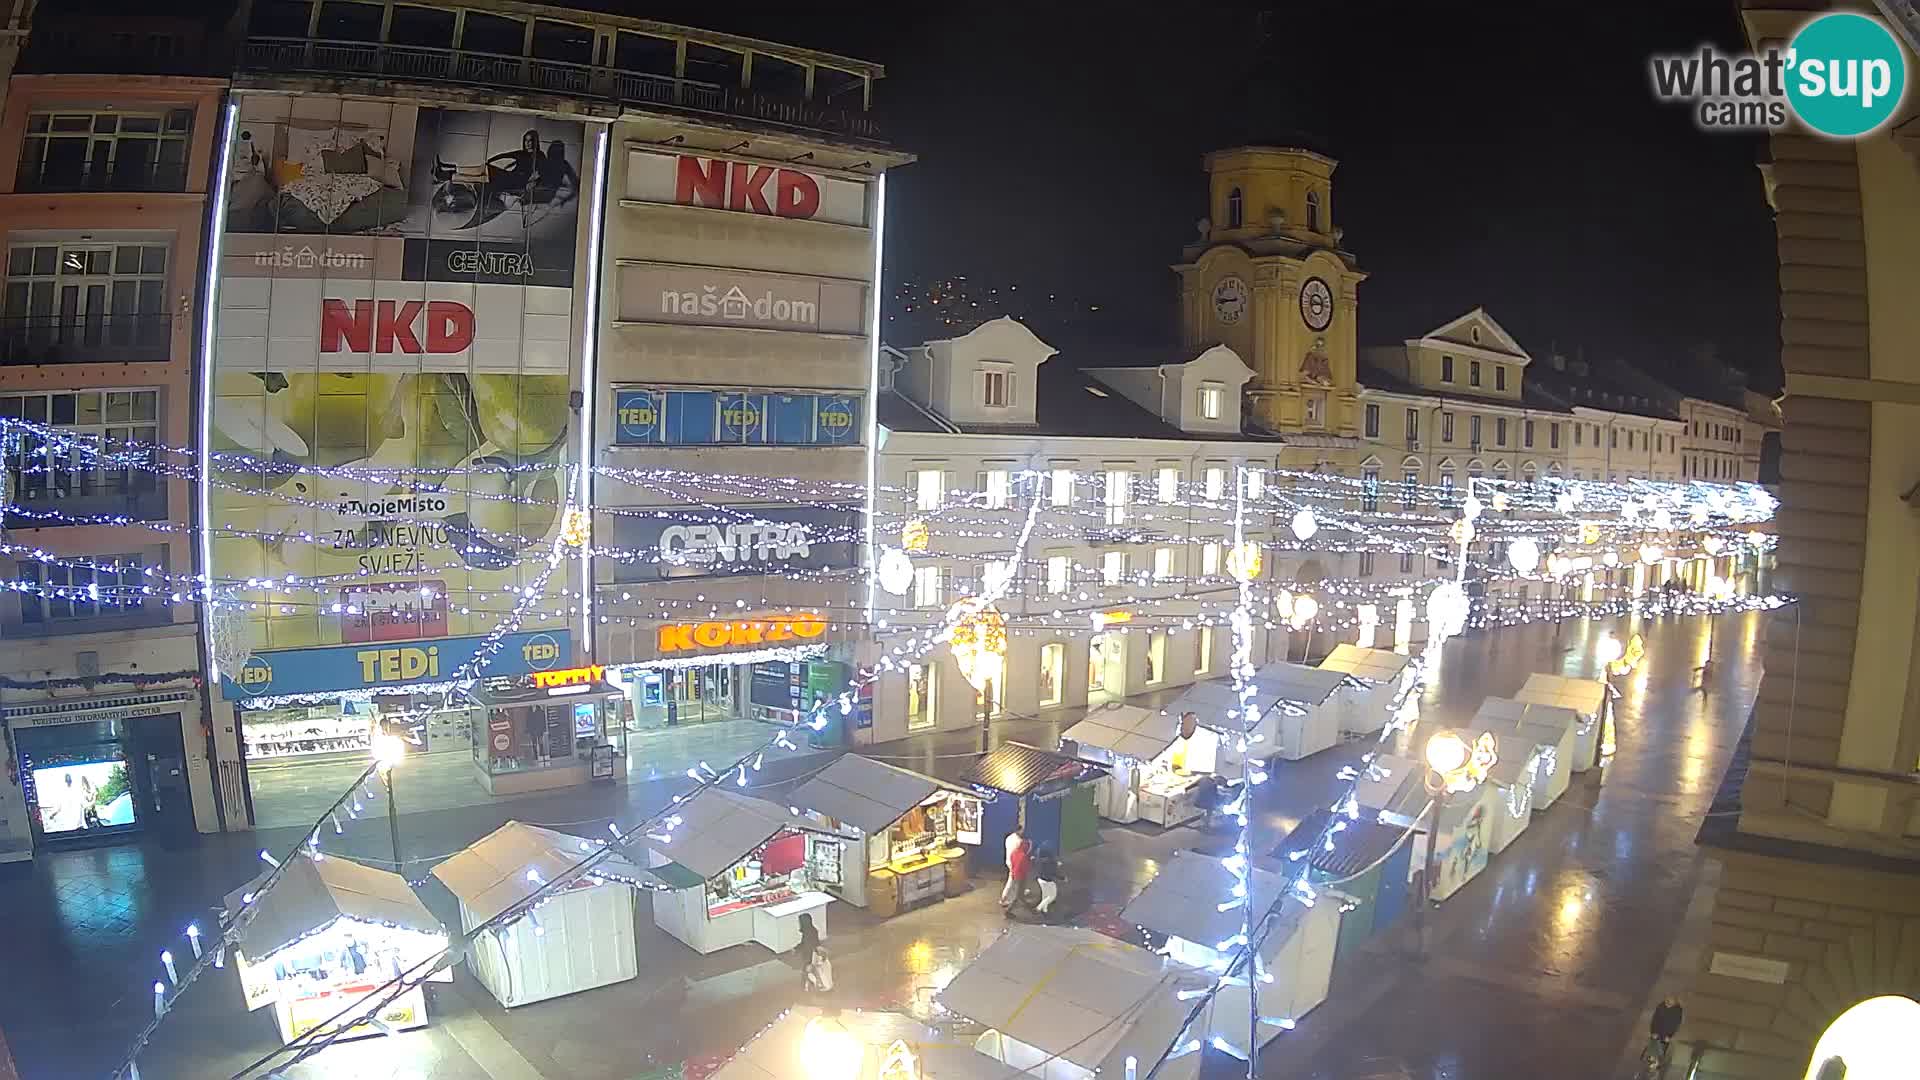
[{"x": 1019, "y": 868}]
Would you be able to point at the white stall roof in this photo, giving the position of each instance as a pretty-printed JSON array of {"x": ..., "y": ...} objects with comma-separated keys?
[
  {"x": 1507, "y": 712},
  {"x": 1298, "y": 682},
  {"x": 1581, "y": 695},
  {"x": 1402, "y": 790},
  {"x": 1076, "y": 994},
  {"x": 1127, "y": 729},
  {"x": 1185, "y": 898},
  {"x": 866, "y": 794},
  {"x": 314, "y": 893},
  {"x": 1513, "y": 766},
  {"x": 781, "y": 1051},
  {"x": 718, "y": 828},
  {"x": 1378, "y": 665},
  {"x": 490, "y": 875}
]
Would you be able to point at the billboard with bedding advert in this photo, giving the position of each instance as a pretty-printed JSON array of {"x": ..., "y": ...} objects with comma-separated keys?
[{"x": 395, "y": 306}]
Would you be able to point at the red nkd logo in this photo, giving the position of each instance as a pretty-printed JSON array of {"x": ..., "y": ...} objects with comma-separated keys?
[
  {"x": 736, "y": 185},
  {"x": 394, "y": 326}
]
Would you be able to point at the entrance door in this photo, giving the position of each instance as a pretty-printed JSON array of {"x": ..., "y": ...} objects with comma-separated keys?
[
  {"x": 1106, "y": 669},
  {"x": 157, "y": 759}
]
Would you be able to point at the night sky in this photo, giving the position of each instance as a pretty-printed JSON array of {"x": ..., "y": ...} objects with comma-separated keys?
[{"x": 1507, "y": 155}]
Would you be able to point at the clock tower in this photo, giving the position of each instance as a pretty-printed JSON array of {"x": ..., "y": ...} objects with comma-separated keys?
[{"x": 1268, "y": 279}]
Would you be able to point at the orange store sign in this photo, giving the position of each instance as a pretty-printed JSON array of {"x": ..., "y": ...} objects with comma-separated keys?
[
  {"x": 685, "y": 637},
  {"x": 573, "y": 676}
]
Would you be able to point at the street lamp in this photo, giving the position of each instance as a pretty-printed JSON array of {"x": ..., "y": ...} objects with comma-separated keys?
[
  {"x": 1453, "y": 765},
  {"x": 390, "y": 750}
]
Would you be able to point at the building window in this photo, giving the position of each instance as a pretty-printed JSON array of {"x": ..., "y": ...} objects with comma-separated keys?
[
  {"x": 1373, "y": 421},
  {"x": 996, "y": 484},
  {"x": 1553, "y": 436},
  {"x": 996, "y": 388},
  {"x": 1473, "y": 373},
  {"x": 1162, "y": 563},
  {"x": 1596, "y": 434},
  {"x": 1210, "y": 558},
  {"x": 1113, "y": 567},
  {"x": 1409, "y": 487},
  {"x": 1059, "y": 574},
  {"x": 1060, "y": 490},
  {"x": 1528, "y": 473},
  {"x": 1216, "y": 482},
  {"x": 929, "y": 489},
  {"x": 1370, "y": 488},
  {"x": 926, "y": 586},
  {"x": 110, "y": 586},
  {"x": 1119, "y": 481},
  {"x": 1213, "y": 398},
  {"x": 1446, "y": 480},
  {"x": 1053, "y": 672},
  {"x": 1446, "y": 427},
  {"x": 1156, "y": 656},
  {"x": 69, "y": 299},
  {"x": 1577, "y": 429},
  {"x": 1499, "y": 376},
  {"x": 1413, "y": 427},
  {"x": 1236, "y": 209},
  {"x": 1446, "y": 369},
  {"x": 1203, "y": 651},
  {"x": 1256, "y": 482},
  {"x": 920, "y": 691},
  {"x": 1613, "y": 438},
  {"x": 1406, "y": 562},
  {"x": 1167, "y": 481},
  {"x": 1316, "y": 404},
  {"x": 1526, "y": 433},
  {"x": 1473, "y": 431},
  {"x": 1366, "y": 564},
  {"x": 106, "y": 151},
  {"x": 1313, "y": 211},
  {"x": 1499, "y": 431},
  {"x": 112, "y": 420}
]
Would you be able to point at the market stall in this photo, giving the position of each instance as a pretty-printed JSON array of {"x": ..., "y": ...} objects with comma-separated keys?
[
  {"x": 548, "y": 729},
  {"x": 1065, "y": 1003},
  {"x": 1586, "y": 697},
  {"x": 1218, "y": 707},
  {"x": 1306, "y": 718},
  {"x": 1369, "y": 862},
  {"x": 1393, "y": 789},
  {"x": 579, "y": 937},
  {"x": 737, "y": 869},
  {"x": 1519, "y": 725},
  {"x": 850, "y": 1044},
  {"x": 1373, "y": 679},
  {"x": 1159, "y": 762},
  {"x": 904, "y": 832},
  {"x": 1048, "y": 796},
  {"x": 329, "y": 933},
  {"x": 1512, "y": 779}
]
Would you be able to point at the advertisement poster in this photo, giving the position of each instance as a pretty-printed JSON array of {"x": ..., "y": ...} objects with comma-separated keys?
[
  {"x": 83, "y": 796},
  {"x": 396, "y": 302}
]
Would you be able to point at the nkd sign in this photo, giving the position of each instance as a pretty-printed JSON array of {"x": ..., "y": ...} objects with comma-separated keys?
[
  {"x": 395, "y": 326},
  {"x": 745, "y": 187}
]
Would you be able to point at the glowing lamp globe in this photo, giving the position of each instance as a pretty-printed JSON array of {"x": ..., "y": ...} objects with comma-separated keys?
[
  {"x": 895, "y": 571},
  {"x": 388, "y": 750},
  {"x": 1244, "y": 562},
  {"x": 1471, "y": 508},
  {"x": 1609, "y": 649},
  {"x": 1500, "y": 502},
  {"x": 830, "y": 1051},
  {"x": 1651, "y": 553},
  {"x": 1564, "y": 501},
  {"x": 1757, "y": 539},
  {"x": 1611, "y": 558},
  {"x": 1524, "y": 554},
  {"x": 1447, "y": 608},
  {"x": 1462, "y": 531},
  {"x": 1304, "y": 609},
  {"x": 1303, "y": 525},
  {"x": 1448, "y": 753}
]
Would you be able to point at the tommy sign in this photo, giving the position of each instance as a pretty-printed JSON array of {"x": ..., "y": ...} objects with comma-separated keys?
[{"x": 700, "y": 296}]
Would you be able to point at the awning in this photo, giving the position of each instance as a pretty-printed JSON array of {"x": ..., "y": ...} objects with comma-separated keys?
[
  {"x": 490, "y": 875},
  {"x": 1019, "y": 769},
  {"x": 718, "y": 828},
  {"x": 1375, "y": 665},
  {"x": 314, "y": 893},
  {"x": 1127, "y": 729},
  {"x": 866, "y": 794},
  {"x": 1583, "y": 696},
  {"x": 1184, "y": 899},
  {"x": 1076, "y": 994}
]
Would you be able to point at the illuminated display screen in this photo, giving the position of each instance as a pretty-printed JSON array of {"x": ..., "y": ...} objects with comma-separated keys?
[{"x": 83, "y": 796}]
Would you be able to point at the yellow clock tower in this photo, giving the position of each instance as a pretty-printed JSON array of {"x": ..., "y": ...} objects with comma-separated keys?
[{"x": 1267, "y": 278}]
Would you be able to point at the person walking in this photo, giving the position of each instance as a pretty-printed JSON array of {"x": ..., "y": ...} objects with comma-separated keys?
[
  {"x": 1661, "y": 1030},
  {"x": 1019, "y": 866},
  {"x": 819, "y": 978},
  {"x": 1046, "y": 871},
  {"x": 802, "y": 953}
]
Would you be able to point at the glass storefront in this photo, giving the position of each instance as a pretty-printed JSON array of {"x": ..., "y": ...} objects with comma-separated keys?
[
  {"x": 85, "y": 778},
  {"x": 555, "y": 730},
  {"x": 774, "y": 691},
  {"x": 346, "y": 727}
]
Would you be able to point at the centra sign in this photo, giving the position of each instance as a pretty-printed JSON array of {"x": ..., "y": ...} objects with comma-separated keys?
[{"x": 686, "y": 637}]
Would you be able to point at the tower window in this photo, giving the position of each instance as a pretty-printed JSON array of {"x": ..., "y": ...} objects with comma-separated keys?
[
  {"x": 1236, "y": 209},
  {"x": 1313, "y": 211}
]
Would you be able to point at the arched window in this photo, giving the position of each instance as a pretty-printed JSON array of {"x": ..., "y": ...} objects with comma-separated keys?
[
  {"x": 1236, "y": 209},
  {"x": 1313, "y": 211},
  {"x": 1528, "y": 472}
]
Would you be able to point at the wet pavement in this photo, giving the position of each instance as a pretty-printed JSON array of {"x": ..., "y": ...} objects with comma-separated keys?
[{"x": 1541, "y": 966}]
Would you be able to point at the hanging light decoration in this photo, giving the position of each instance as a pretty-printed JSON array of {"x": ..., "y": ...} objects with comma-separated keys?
[
  {"x": 978, "y": 641},
  {"x": 1501, "y": 502},
  {"x": 1462, "y": 531},
  {"x": 1524, "y": 554},
  {"x": 1244, "y": 561},
  {"x": 1303, "y": 525},
  {"x": 1713, "y": 544},
  {"x": 914, "y": 535},
  {"x": 1471, "y": 508},
  {"x": 1447, "y": 608},
  {"x": 1663, "y": 519},
  {"x": 895, "y": 571},
  {"x": 1651, "y": 553}
]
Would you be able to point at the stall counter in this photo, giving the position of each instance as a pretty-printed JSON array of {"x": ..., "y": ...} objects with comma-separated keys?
[
  {"x": 777, "y": 926},
  {"x": 1170, "y": 799}
]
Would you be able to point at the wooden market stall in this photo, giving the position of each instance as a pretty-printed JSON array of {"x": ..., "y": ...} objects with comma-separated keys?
[
  {"x": 1374, "y": 677},
  {"x": 1588, "y": 700},
  {"x": 1160, "y": 763},
  {"x": 905, "y": 832},
  {"x": 1065, "y": 1003},
  {"x": 1306, "y": 718},
  {"x": 1512, "y": 779},
  {"x": 578, "y": 938},
  {"x": 1393, "y": 790},
  {"x": 737, "y": 869},
  {"x": 1518, "y": 725},
  {"x": 1370, "y": 862},
  {"x": 851, "y": 1044},
  {"x": 329, "y": 933},
  {"x": 1048, "y": 796}
]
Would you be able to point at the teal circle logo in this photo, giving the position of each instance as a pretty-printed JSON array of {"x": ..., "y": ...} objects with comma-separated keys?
[
  {"x": 256, "y": 675},
  {"x": 1846, "y": 75}
]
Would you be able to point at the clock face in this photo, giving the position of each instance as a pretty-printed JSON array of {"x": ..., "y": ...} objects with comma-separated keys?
[
  {"x": 1229, "y": 300},
  {"x": 1316, "y": 304}
]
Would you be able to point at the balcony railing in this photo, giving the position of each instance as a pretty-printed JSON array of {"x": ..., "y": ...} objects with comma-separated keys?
[
  {"x": 41, "y": 176},
  {"x": 82, "y": 339},
  {"x": 411, "y": 62}
]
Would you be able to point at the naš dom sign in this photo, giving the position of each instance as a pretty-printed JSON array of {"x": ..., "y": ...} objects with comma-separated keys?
[{"x": 686, "y": 637}]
